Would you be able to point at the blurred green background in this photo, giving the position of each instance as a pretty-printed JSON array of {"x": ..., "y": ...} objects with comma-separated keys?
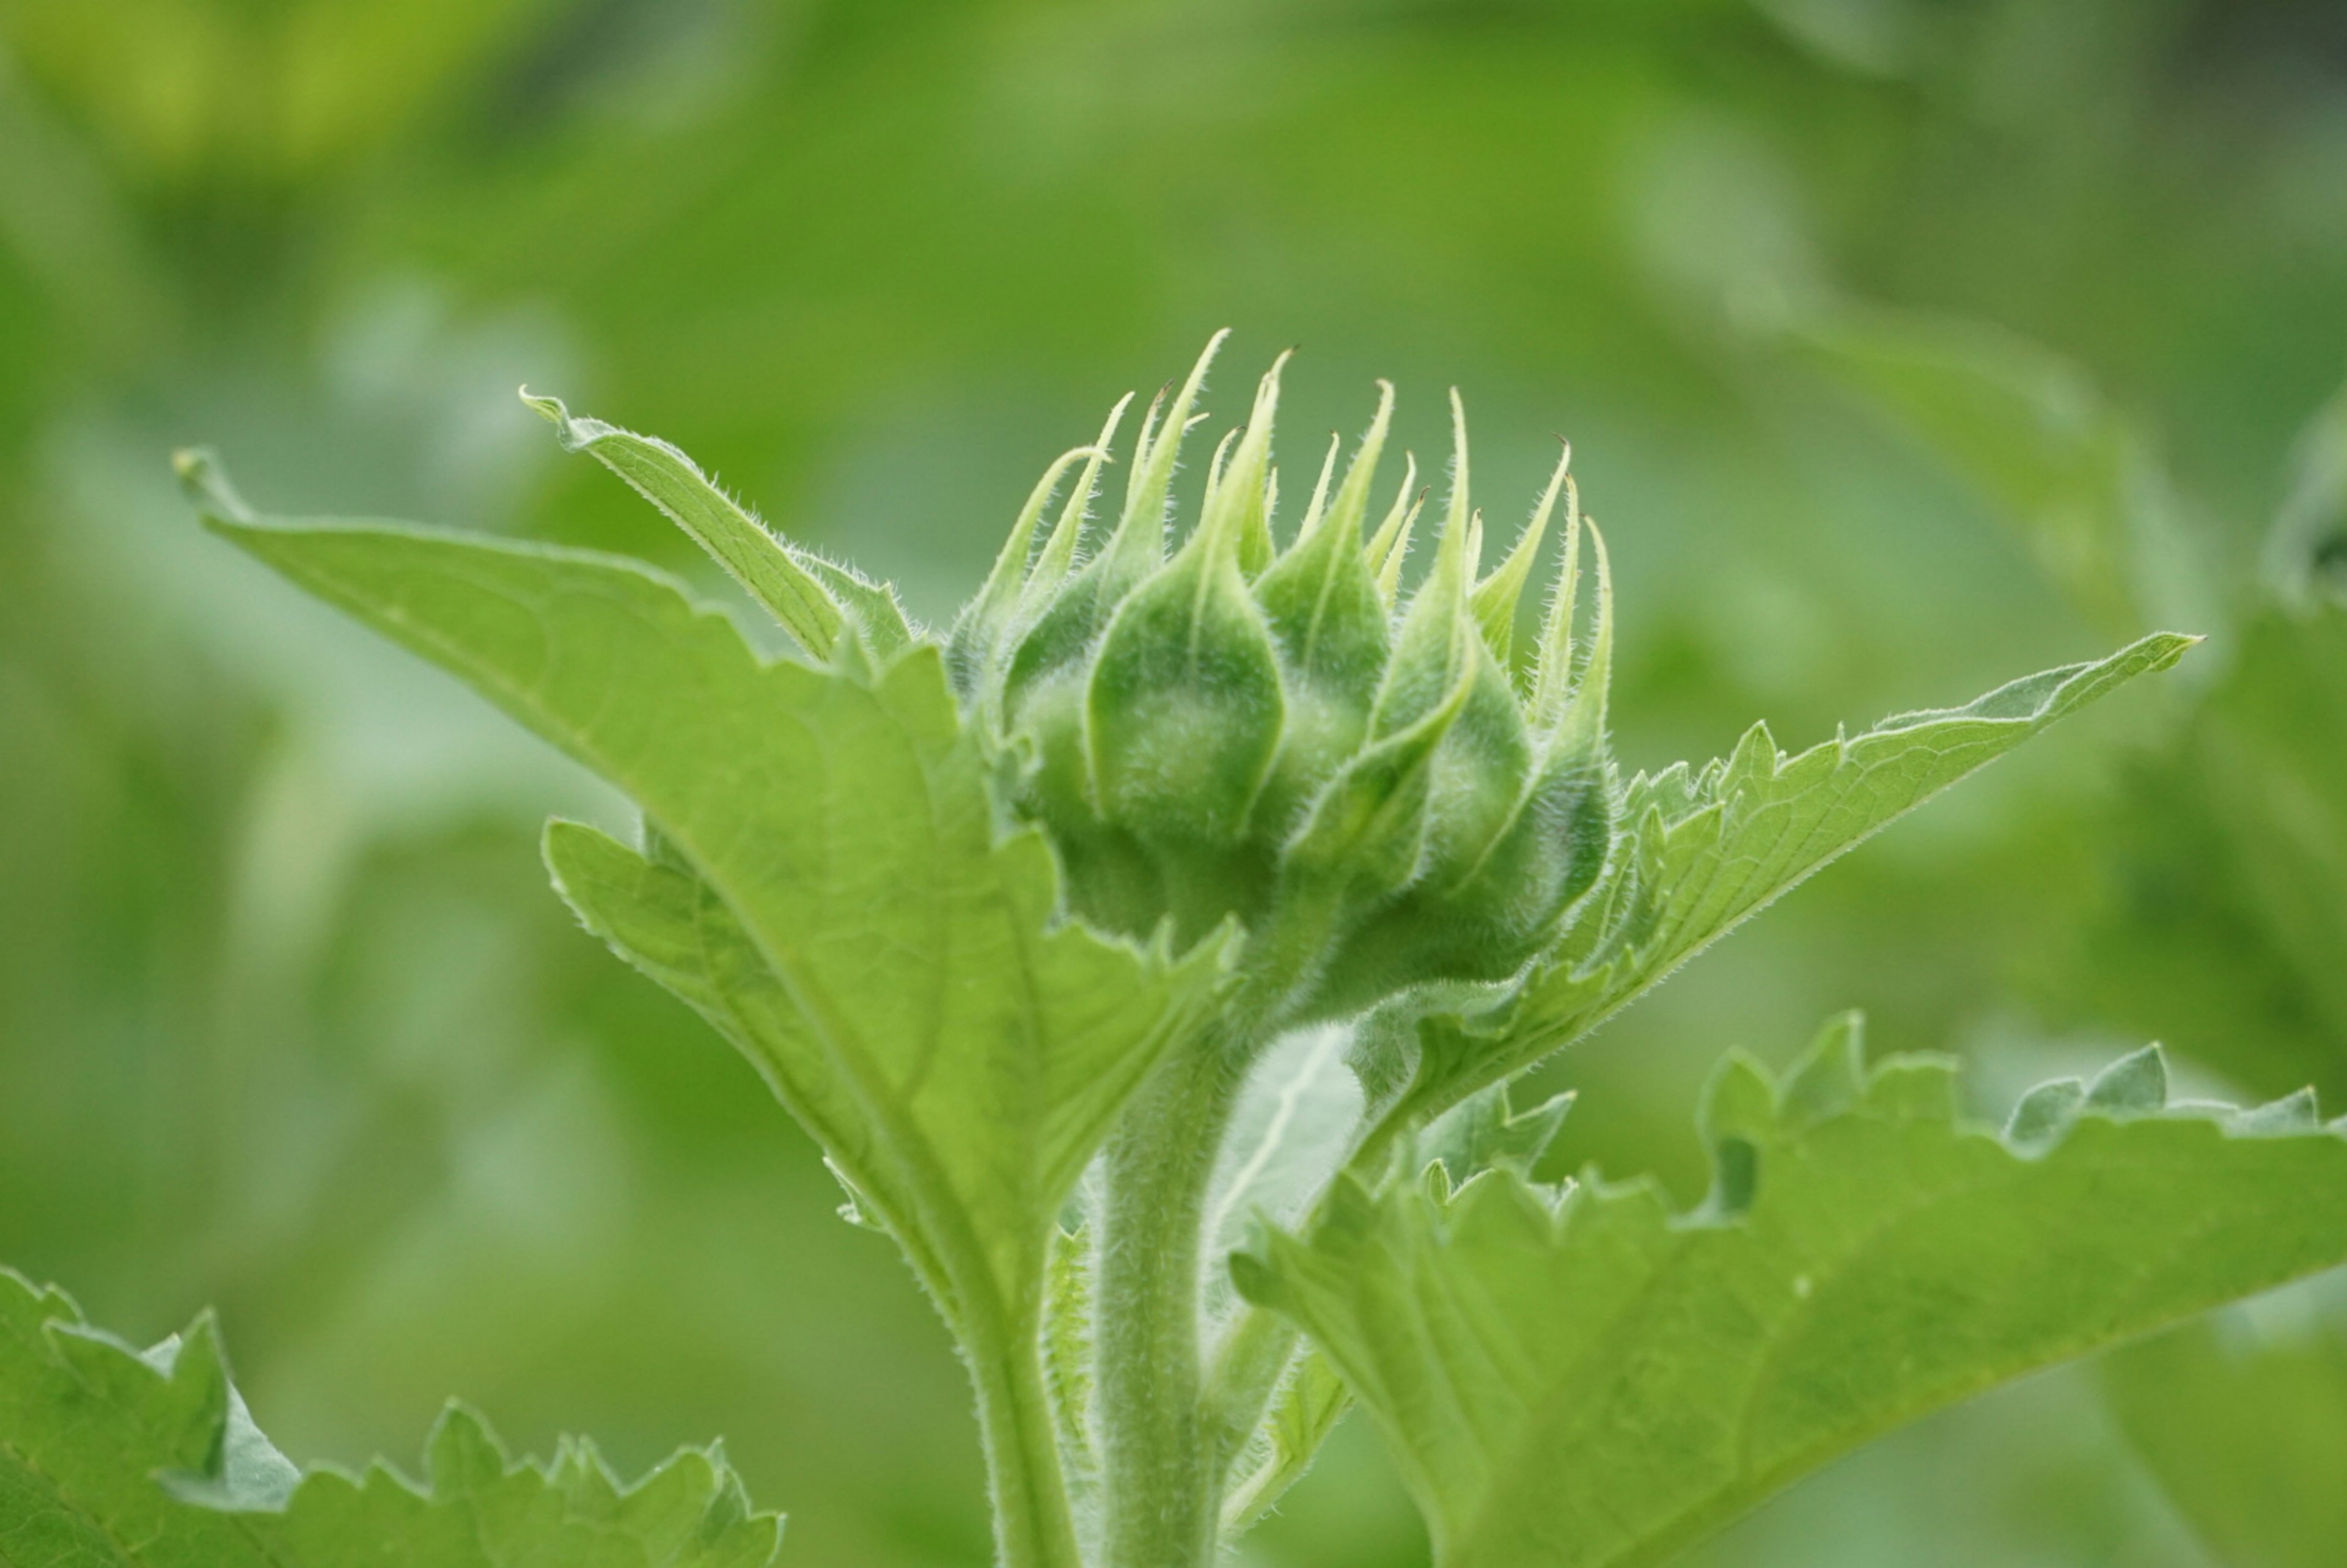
[{"x": 1906, "y": 346}]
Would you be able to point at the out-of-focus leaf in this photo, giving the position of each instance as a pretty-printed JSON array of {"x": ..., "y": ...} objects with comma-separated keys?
[
  {"x": 2306, "y": 553},
  {"x": 2040, "y": 442},
  {"x": 2228, "y": 913},
  {"x": 110, "y": 1458},
  {"x": 1705, "y": 850},
  {"x": 1577, "y": 1377},
  {"x": 282, "y": 94},
  {"x": 2247, "y": 1435}
]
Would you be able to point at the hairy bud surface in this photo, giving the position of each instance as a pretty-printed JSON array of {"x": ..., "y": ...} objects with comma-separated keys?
[{"x": 1216, "y": 727}]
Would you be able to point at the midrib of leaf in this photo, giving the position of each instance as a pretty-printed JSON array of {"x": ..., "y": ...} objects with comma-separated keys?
[
  {"x": 1267, "y": 1148},
  {"x": 1757, "y": 1481},
  {"x": 54, "y": 1492},
  {"x": 1000, "y": 1315},
  {"x": 965, "y": 1264},
  {"x": 1693, "y": 912},
  {"x": 1433, "y": 1317}
]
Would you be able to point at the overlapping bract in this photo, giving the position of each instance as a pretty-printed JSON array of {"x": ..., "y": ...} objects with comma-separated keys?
[{"x": 1237, "y": 730}]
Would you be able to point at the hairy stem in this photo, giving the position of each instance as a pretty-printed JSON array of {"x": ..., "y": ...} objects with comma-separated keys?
[
  {"x": 1033, "y": 1527},
  {"x": 1163, "y": 1472}
]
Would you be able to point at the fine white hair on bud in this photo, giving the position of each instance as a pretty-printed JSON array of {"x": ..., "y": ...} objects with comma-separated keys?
[{"x": 1375, "y": 786}]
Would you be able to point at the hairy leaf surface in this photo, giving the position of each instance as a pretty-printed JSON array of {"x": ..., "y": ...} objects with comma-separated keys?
[
  {"x": 829, "y": 887},
  {"x": 1702, "y": 851},
  {"x": 810, "y": 597},
  {"x": 110, "y": 1458},
  {"x": 1583, "y": 1379}
]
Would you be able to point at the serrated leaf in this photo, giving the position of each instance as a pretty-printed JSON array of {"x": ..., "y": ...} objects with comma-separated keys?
[
  {"x": 1702, "y": 852},
  {"x": 1486, "y": 1131},
  {"x": 1068, "y": 1357},
  {"x": 110, "y": 1458},
  {"x": 1587, "y": 1381},
  {"x": 811, "y": 597},
  {"x": 833, "y": 893},
  {"x": 1303, "y": 1413}
]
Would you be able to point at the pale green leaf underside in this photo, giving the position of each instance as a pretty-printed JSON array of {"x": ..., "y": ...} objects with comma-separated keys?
[
  {"x": 109, "y": 1458},
  {"x": 831, "y": 888},
  {"x": 1597, "y": 1382},
  {"x": 1303, "y": 1413},
  {"x": 1705, "y": 850}
]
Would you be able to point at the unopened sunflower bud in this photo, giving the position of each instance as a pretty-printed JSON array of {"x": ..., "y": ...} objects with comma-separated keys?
[{"x": 1241, "y": 732}]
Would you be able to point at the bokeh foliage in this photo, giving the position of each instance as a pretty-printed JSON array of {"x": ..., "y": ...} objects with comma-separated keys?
[{"x": 1905, "y": 346}]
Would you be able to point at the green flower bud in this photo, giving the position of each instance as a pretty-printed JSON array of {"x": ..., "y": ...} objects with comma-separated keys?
[
  {"x": 1184, "y": 706},
  {"x": 1236, "y": 732}
]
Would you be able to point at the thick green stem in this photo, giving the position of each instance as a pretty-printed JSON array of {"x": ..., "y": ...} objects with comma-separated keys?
[
  {"x": 1163, "y": 1478},
  {"x": 1033, "y": 1525}
]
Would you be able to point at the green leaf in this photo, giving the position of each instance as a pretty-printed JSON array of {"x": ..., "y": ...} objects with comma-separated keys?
[
  {"x": 829, "y": 887},
  {"x": 2074, "y": 476},
  {"x": 1702, "y": 852},
  {"x": 111, "y": 1457},
  {"x": 1580, "y": 1379},
  {"x": 811, "y": 597},
  {"x": 2306, "y": 549},
  {"x": 1295, "y": 1118},
  {"x": 1304, "y": 1411},
  {"x": 2227, "y": 920},
  {"x": 1069, "y": 1353},
  {"x": 2245, "y": 1425},
  {"x": 1273, "y": 1397}
]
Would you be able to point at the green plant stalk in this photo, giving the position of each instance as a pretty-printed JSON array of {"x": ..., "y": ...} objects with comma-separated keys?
[
  {"x": 1033, "y": 1526},
  {"x": 1163, "y": 1483},
  {"x": 1325, "y": 815}
]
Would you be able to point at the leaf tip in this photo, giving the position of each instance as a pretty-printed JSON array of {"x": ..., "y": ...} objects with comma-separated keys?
[
  {"x": 461, "y": 1455},
  {"x": 2041, "y": 1116},
  {"x": 550, "y": 409},
  {"x": 1830, "y": 1077},
  {"x": 2134, "y": 1085},
  {"x": 1739, "y": 1102},
  {"x": 205, "y": 482},
  {"x": 2290, "y": 1116}
]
